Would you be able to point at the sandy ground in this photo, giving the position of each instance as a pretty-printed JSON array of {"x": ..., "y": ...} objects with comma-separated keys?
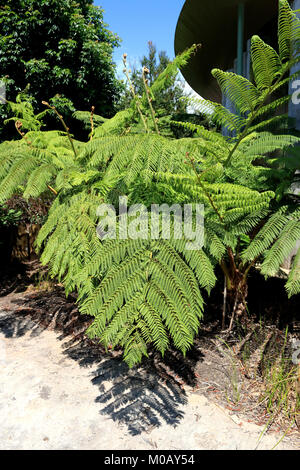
[{"x": 53, "y": 398}]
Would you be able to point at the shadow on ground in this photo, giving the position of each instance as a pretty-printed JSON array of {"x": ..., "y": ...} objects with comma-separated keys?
[{"x": 140, "y": 398}]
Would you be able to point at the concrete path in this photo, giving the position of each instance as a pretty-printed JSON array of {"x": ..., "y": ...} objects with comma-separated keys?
[{"x": 53, "y": 397}]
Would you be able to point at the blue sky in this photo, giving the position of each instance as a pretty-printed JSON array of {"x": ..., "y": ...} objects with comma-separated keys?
[{"x": 137, "y": 22}]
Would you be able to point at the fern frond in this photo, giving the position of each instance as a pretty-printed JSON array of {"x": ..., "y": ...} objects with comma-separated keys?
[
  {"x": 273, "y": 106},
  {"x": 239, "y": 90},
  {"x": 288, "y": 31},
  {"x": 218, "y": 114},
  {"x": 263, "y": 143},
  {"x": 282, "y": 247},
  {"x": 266, "y": 236},
  {"x": 149, "y": 288},
  {"x": 293, "y": 283},
  {"x": 85, "y": 118},
  {"x": 17, "y": 176},
  {"x": 167, "y": 77},
  {"x": 38, "y": 180},
  {"x": 115, "y": 125},
  {"x": 265, "y": 62}
]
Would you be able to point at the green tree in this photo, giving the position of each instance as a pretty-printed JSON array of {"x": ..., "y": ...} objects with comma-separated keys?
[
  {"x": 167, "y": 102},
  {"x": 62, "y": 49}
]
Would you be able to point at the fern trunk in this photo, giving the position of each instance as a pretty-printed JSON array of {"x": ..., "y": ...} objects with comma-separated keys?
[
  {"x": 236, "y": 290},
  {"x": 237, "y": 300}
]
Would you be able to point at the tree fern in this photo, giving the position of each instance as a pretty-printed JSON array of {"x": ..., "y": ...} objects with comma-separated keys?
[{"x": 142, "y": 292}]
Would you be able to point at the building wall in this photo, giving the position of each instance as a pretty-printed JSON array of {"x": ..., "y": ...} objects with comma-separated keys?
[
  {"x": 294, "y": 109},
  {"x": 294, "y": 112}
]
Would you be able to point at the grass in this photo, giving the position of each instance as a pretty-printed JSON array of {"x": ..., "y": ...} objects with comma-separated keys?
[
  {"x": 280, "y": 385},
  {"x": 234, "y": 378},
  {"x": 273, "y": 374}
]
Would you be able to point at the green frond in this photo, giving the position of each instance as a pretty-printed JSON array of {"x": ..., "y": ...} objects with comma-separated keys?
[
  {"x": 263, "y": 143},
  {"x": 24, "y": 113},
  {"x": 135, "y": 348},
  {"x": 199, "y": 263},
  {"x": 17, "y": 176},
  {"x": 282, "y": 247},
  {"x": 209, "y": 135},
  {"x": 274, "y": 123},
  {"x": 166, "y": 78},
  {"x": 148, "y": 154},
  {"x": 9, "y": 153},
  {"x": 267, "y": 235},
  {"x": 288, "y": 31},
  {"x": 265, "y": 62},
  {"x": 115, "y": 125},
  {"x": 218, "y": 114},
  {"x": 147, "y": 288},
  {"x": 250, "y": 221},
  {"x": 214, "y": 244},
  {"x": 293, "y": 283},
  {"x": 273, "y": 106},
  {"x": 85, "y": 118},
  {"x": 38, "y": 180},
  {"x": 239, "y": 90}
]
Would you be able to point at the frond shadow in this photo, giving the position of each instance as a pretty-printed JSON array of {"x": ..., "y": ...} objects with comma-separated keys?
[
  {"x": 136, "y": 397},
  {"x": 143, "y": 397}
]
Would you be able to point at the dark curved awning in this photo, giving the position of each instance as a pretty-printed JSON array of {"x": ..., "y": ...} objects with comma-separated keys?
[{"x": 213, "y": 24}]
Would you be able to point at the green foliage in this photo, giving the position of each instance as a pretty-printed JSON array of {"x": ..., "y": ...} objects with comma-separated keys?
[
  {"x": 39, "y": 159},
  {"x": 9, "y": 217},
  {"x": 63, "y": 50},
  {"x": 265, "y": 63},
  {"x": 289, "y": 32},
  {"x": 159, "y": 82},
  {"x": 148, "y": 288},
  {"x": 293, "y": 283},
  {"x": 149, "y": 292},
  {"x": 164, "y": 74},
  {"x": 158, "y": 103}
]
